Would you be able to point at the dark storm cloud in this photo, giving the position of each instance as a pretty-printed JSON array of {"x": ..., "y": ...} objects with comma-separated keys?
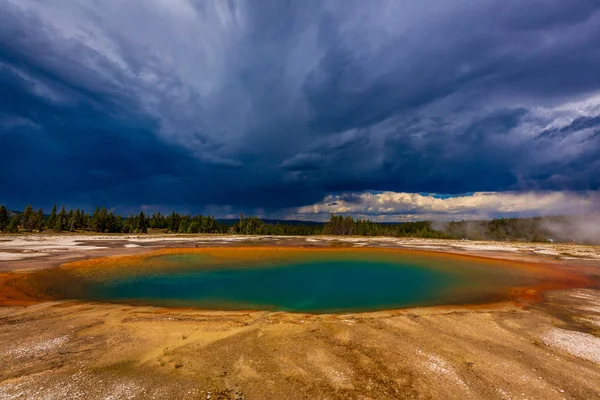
[
  {"x": 277, "y": 104},
  {"x": 303, "y": 162},
  {"x": 577, "y": 125}
]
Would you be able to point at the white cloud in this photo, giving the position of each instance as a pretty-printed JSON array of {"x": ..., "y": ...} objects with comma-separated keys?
[{"x": 393, "y": 206}]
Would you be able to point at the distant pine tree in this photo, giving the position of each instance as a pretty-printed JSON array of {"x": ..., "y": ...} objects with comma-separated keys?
[
  {"x": 116, "y": 224},
  {"x": 59, "y": 226},
  {"x": 77, "y": 216},
  {"x": 70, "y": 225},
  {"x": 84, "y": 221},
  {"x": 13, "y": 226},
  {"x": 39, "y": 220},
  {"x": 4, "y": 220},
  {"x": 27, "y": 219},
  {"x": 61, "y": 220},
  {"x": 142, "y": 226},
  {"x": 95, "y": 223},
  {"x": 52, "y": 218},
  {"x": 173, "y": 222}
]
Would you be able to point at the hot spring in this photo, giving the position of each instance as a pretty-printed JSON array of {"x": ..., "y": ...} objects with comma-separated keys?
[{"x": 320, "y": 280}]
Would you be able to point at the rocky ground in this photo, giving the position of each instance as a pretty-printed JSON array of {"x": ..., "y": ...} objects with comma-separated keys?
[
  {"x": 69, "y": 350},
  {"x": 20, "y": 252}
]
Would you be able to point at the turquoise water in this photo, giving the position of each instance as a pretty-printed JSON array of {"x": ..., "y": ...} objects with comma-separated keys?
[
  {"x": 304, "y": 282},
  {"x": 330, "y": 286}
]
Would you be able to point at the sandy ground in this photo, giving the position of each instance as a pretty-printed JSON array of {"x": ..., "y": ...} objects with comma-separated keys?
[{"x": 70, "y": 350}]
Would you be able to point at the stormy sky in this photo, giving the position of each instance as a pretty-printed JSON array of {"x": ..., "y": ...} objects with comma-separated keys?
[{"x": 391, "y": 110}]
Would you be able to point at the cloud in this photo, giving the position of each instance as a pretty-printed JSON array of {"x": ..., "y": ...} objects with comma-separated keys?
[
  {"x": 398, "y": 207},
  {"x": 196, "y": 104},
  {"x": 577, "y": 125},
  {"x": 303, "y": 162}
]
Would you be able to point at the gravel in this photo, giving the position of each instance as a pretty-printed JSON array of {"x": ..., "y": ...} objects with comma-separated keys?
[{"x": 579, "y": 344}]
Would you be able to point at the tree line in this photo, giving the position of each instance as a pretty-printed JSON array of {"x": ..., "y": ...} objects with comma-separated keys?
[
  {"x": 256, "y": 226},
  {"x": 339, "y": 225},
  {"x": 102, "y": 220}
]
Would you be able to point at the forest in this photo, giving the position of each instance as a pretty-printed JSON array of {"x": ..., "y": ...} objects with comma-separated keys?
[{"x": 582, "y": 229}]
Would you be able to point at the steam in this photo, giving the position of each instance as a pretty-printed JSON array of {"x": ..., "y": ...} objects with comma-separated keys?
[{"x": 581, "y": 229}]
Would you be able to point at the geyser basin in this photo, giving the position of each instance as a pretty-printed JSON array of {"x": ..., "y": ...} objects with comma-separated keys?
[{"x": 295, "y": 279}]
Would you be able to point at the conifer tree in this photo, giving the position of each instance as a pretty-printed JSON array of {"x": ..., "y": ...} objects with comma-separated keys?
[
  {"x": 4, "y": 220},
  {"x": 27, "y": 219},
  {"x": 58, "y": 225},
  {"x": 52, "y": 218},
  {"x": 61, "y": 220},
  {"x": 77, "y": 217},
  {"x": 103, "y": 220},
  {"x": 184, "y": 224},
  {"x": 13, "y": 226},
  {"x": 116, "y": 223},
  {"x": 95, "y": 222},
  {"x": 173, "y": 222},
  {"x": 141, "y": 223},
  {"x": 83, "y": 221},
  {"x": 128, "y": 225},
  {"x": 100, "y": 220},
  {"x": 39, "y": 220},
  {"x": 70, "y": 225},
  {"x": 62, "y": 213}
]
